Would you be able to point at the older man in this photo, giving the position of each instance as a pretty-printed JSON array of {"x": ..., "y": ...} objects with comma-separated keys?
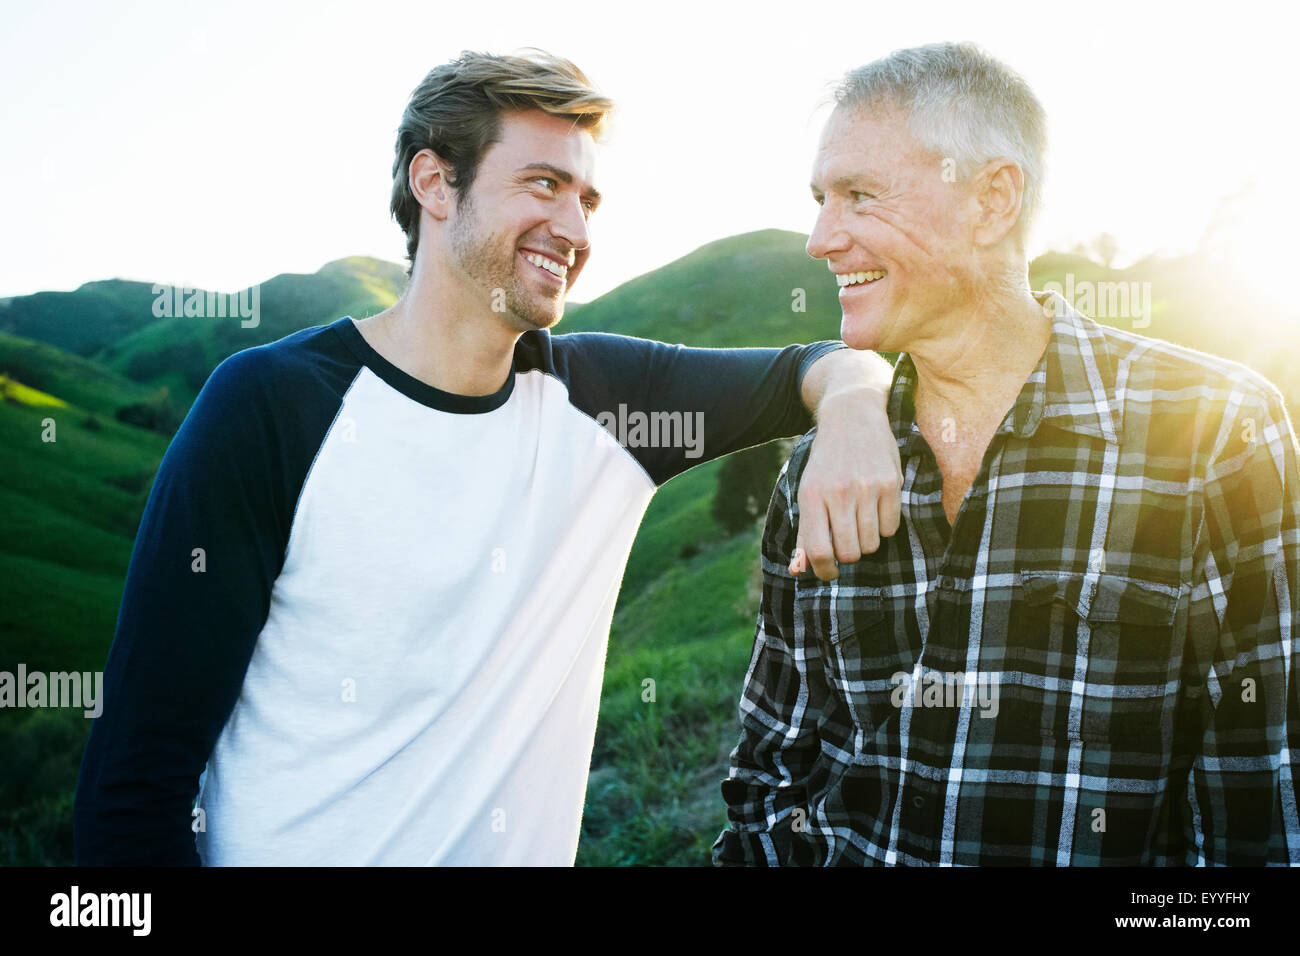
[{"x": 1080, "y": 648}]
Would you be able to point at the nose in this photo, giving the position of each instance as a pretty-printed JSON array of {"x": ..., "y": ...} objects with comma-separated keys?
[
  {"x": 827, "y": 237},
  {"x": 570, "y": 223}
]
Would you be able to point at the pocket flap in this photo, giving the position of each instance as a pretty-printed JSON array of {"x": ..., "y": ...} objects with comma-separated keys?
[
  {"x": 1133, "y": 601},
  {"x": 1044, "y": 587},
  {"x": 855, "y": 614},
  {"x": 1103, "y": 597},
  {"x": 839, "y": 611}
]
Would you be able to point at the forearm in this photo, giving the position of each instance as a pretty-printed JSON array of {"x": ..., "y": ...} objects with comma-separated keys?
[
  {"x": 171, "y": 680},
  {"x": 1241, "y": 790},
  {"x": 130, "y": 808},
  {"x": 843, "y": 377},
  {"x": 1243, "y": 782},
  {"x": 140, "y": 771}
]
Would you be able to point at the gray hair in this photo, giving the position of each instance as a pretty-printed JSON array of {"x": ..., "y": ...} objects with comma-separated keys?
[{"x": 962, "y": 104}]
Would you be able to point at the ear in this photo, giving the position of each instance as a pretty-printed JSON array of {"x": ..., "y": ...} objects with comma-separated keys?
[
  {"x": 999, "y": 188},
  {"x": 428, "y": 181}
]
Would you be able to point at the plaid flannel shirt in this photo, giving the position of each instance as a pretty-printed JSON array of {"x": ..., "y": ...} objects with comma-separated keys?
[{"x": 1096, "y": 664}]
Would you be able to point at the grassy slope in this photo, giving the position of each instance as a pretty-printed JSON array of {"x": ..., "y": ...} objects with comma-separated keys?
[
  {"x": 82, "y": 321},
  {"x": 739, "y": 291},
  {"x": 179, "y": 352},
  {"x": 70, "y": 510}
]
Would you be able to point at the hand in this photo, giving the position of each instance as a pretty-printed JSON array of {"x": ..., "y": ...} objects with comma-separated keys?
[{"x": 849, "y": 492}]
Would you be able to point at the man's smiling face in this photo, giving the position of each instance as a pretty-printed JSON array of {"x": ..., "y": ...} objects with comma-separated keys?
[
  {"x": 890, "y": 227},
  {"x": 522, "y": 226}
]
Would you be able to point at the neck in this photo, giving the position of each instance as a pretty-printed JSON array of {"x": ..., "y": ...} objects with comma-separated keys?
[
  {"x": 444, "y": 334},
  {"x": 976, "y": 365}
]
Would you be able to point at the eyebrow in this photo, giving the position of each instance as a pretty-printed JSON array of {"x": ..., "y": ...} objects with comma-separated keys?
[
  {"x": 845, "y": 182},
  {"x": 563, "y": 175}
]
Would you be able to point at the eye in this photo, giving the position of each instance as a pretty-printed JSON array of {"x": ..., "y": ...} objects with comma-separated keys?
[
  {"x": 547, "y": 179},
  {"x": 860, "y": 196}
]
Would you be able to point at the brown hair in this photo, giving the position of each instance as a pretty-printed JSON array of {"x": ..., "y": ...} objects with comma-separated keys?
[{"x": 456, "y": 112}]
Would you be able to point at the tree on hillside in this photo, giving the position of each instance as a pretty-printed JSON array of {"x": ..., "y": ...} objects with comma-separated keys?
[
  {"x": 1104, "y": 248},
  {"x": 745, "y": 483},
  {"x": 158, "y": 414}
]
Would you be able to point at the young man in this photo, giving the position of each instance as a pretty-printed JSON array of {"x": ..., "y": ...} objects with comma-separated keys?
[
  {"x": 1081, "y": 646},
  {"x": 370, "y": 595}
]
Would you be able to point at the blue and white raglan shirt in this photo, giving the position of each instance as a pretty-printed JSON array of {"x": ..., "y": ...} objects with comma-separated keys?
[{"x": 366, "y": 619}]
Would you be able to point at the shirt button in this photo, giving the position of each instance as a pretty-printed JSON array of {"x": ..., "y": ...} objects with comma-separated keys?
[{"x": 918, "y": 802}]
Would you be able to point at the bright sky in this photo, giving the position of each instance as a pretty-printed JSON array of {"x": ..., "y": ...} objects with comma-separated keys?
[{"x": 220, "y": 144}]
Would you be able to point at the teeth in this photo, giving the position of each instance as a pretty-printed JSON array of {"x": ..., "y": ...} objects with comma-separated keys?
[
  {"x": 549, "y": 265},
  {"x": 856, "y": 278}
]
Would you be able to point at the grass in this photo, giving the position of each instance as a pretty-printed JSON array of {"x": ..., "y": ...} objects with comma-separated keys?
[
  {"x": 11, "y": 391},
  {"x": 70, "y": 510},
  {"x": 41, "y": 752},
  {"x": 653, "y": 796}
]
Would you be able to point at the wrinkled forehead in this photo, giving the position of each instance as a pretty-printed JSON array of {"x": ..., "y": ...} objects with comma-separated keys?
[{"x": 865, "y": 139}]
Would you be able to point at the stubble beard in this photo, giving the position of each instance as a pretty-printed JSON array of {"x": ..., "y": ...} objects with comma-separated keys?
[{"x": 492, "y": 262}]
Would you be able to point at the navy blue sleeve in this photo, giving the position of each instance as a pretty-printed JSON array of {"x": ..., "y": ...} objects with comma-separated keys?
[
  {"x": 210, "y": 545},
  {"x": 675, "y": 407}
]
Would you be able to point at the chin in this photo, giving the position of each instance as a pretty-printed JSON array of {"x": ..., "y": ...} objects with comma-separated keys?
[
  {"x": 527, "y": 312},
  {"x": 859, "y": 333},
  {"x": 533, "y": 321},
  {"x": 549, "y": 319}
]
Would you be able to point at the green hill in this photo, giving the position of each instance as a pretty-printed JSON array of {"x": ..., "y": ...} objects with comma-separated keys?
[
  {"x": 83, "y": 321},
  {"x": 72, "y": 488},
  {"x": 81, "y": 381},
  {"x": 739, "y": 291},
  {"x": 180, "y": 352},
  {"x": 114, "y": 321}
]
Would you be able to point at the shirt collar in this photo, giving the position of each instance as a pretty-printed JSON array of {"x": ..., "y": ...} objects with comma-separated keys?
[{"x": 1072, "y": 387}]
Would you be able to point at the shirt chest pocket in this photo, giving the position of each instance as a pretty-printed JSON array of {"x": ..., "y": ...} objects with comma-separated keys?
[
  {"x": 864, "y": 640},
  {"x": 1104, "y": 649}
]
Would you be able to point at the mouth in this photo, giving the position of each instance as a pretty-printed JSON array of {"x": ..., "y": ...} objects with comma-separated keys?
[
  {"x": 851, "y": 283},
  {"x": 550, "y": 269}
]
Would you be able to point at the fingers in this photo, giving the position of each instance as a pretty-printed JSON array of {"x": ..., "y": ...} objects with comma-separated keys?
[
  {"x": 799, "y": 557},
  {"x": 890, "y": 507},
  {"x": 842, "y": 526},
  {"x": 845, "y": 524},
  {"x": 868, "y": 530},
  {"x": 814, "y": 537}
]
